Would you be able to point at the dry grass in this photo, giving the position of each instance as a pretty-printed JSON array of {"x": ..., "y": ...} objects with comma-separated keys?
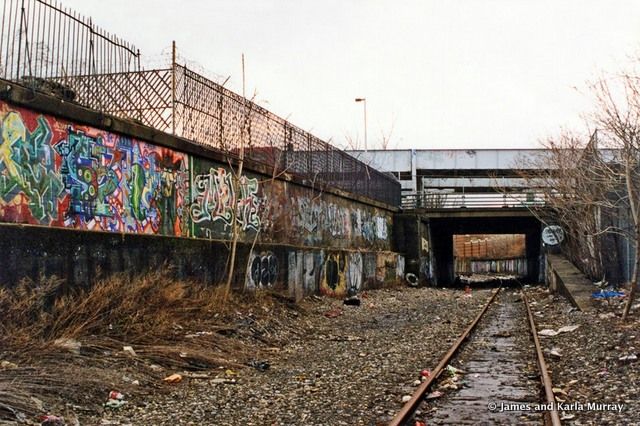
[{"x": 178, "y": 325}]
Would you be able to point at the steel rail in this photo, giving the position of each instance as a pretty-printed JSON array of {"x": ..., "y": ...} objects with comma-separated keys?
[
  {"x": 552, "y": 414},
  {"x": 417, "y": 397}
]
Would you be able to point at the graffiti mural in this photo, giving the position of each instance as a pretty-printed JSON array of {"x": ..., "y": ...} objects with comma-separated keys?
[
  {"x": 118, "y": 184},
  {"x": 320, "y": 221},
  {"x": 57, "y": 174},
  {"x": 295, "y": 268},
  {"x": 29, "y": 187},
  {"x": 217, "y": 204},
  {"x": 263, "y": 271},
  {"x": 212, "y": 197}
]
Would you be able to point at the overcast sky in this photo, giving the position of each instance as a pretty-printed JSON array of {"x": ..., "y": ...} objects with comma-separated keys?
[{"x": 439, "y": 74}]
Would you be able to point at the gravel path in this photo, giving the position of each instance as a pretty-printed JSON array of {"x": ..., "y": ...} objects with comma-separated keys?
[
  {"x": 593, "y": 364},
  {"x": 349, "y": 369}
]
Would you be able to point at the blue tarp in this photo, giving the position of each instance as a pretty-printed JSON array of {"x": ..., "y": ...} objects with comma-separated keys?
[{"x": 606, "y": 294}]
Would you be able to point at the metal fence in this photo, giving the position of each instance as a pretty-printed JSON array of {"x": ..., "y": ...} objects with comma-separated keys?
[
  {"x": 53, "y": 49},
  {"x": 483, "y": 200},
  {"x": 43, "y": 44},
  {"x": 209, "y": 114}
]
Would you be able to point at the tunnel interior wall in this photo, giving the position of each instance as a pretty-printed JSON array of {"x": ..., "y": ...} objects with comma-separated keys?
[
  {"x": 441, "y": 231},
  {"x": 76, "y": 198}
]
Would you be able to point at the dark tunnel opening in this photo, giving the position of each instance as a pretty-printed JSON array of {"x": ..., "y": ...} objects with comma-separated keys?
[{"x": 525, "y": 238}]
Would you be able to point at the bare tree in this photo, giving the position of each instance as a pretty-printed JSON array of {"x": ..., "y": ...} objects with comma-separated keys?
[
  {"x": 618, "y": 116},
  {"x": 589, "y": 186}
]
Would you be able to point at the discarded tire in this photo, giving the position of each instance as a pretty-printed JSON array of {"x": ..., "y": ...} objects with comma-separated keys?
[{"x": 412, "y": 279}]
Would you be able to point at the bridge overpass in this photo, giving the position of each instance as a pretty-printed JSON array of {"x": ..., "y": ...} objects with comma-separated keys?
[{"x": 461, "y": 192}]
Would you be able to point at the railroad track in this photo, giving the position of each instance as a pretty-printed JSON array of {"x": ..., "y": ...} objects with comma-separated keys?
[{"x": 502, "y": 385}]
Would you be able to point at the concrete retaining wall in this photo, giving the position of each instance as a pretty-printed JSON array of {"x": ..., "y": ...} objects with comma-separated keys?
[{"x": 98, "y": 198}]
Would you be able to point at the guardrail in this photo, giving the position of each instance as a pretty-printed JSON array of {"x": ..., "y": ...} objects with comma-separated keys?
[{"x": 456, "y": 200}]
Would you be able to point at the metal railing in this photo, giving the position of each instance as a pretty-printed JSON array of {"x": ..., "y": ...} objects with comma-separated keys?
[
  {"x": 42, "y": 44},
  {"x": 209, "y": 114},
  {"x": 453, "y": 200},
  {"x": 52, "y": 49}
]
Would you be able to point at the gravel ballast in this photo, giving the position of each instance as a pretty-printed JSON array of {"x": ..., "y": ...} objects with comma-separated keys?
[
  {"x": 330, "y": 365},
  {"x": 594, "y": 368}
]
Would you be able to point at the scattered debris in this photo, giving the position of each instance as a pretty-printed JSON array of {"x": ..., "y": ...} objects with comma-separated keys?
[
  {"x": 116, "y": 395},
  {"x": 607, "y": 294},
  {"x": 555, "y": 352},
  {"x": 259, "y": 365},
  {"x": 223, "y": 380},
  {"x": 434, "y": 395},
  {"x": 406, "y": 398},
  {"x": 7, "y": 365},
  {"x": 39, "y": 404},
  {"x": 629, "y": 358},
  {"x": 352, "y": 301},
  {"x": 452, "y": 371},
  {"x": 425, "y": 373},
  {"x": 70, "y": 345},
  {"x": 467, "y": 291},
  {"x": 412, "y": 279},
  {"x": 129, "y": 350},
  {"x": 115, "y": 403},
  {"x": 50, "y": 420},
  {"x": 174, "y": 378},
  {"x": 333, "y": 313},
  {"x": 199, "y": 334},
  {"x": 197, "y": 375},
  {"x": 559, "y": 391},
  {"x": 566, "y": 329},
  {"x": 115, "y": 400}
]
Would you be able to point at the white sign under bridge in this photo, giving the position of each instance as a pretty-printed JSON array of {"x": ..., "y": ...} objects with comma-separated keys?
[{"x": 552, "y": 235}]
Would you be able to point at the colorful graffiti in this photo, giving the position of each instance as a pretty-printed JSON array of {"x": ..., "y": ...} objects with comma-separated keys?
[
  {"x": 119, "y": 184},
  {"x": 57, "y": 173},
  {"x": 27, "y": 176}
]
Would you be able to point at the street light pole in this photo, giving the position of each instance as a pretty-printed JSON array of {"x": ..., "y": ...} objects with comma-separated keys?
[{"x": 364, "y": 101}]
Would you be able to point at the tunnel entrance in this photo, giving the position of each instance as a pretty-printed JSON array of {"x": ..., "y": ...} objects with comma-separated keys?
[
  {"x": 446, "y": 264},
  {"x": 486, "y": 258}
]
